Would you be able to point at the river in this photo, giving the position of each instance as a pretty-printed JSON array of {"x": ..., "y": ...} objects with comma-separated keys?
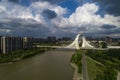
[{"x": 51, "y": 65}]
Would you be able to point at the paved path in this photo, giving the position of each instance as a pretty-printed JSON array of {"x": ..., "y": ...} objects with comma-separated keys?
[
  {"x": 84, "y": 67},
  {"x": 118, "y": 76}
]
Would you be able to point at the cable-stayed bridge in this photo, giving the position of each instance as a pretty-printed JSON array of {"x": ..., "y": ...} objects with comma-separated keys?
[{"x": 74, "y": 44}]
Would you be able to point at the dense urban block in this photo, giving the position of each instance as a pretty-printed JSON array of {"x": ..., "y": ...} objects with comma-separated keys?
[{"x": 10, "y": 43}]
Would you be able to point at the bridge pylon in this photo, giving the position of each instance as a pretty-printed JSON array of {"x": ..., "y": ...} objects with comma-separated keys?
[
  {"x": 85, "y": 44},
  {"x": 74, "y": 44}
]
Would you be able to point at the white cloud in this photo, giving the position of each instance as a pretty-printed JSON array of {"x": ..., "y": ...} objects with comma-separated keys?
[
  {"x": 18, "y": 17},
  {"x": 111, "y": 20},
  {"x": 87, "y": 16},
  {"x": 41, "y": 5},
  {"x": 84, "y": 16},
  {"x": 5, "y": 30},
  {"x": 60, "y": 11},
  {"x": 2, "y": 8},
  {"x": 34, "y": 11}
]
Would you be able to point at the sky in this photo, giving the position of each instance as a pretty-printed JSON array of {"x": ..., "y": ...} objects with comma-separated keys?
[{"x": 42, "y": 18}]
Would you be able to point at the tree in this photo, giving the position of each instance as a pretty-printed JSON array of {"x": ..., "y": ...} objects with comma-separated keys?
[{"x": 103, "y": 45}]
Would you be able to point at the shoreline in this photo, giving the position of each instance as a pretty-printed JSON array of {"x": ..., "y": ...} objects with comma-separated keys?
[
  {"x": 76, "y": 75},
  {"x": 23, "y": 57},
  {"x": 6, "y": 63}
]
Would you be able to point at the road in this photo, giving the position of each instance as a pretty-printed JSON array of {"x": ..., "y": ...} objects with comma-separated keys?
[
  {"x": 84, "y": 67},
  {"x": 118, "y": 76}
]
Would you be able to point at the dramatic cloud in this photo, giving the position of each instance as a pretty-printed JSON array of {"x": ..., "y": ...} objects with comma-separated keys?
[
  {"x": 41, "y": 17},
  {"x": 16, "y": 1},
  {"x": 108, "y": 27},
  {"x": 17, "y": 19},
  {"x": 85, "y": 16},
  {"x": 51, "y": 1},
  {"x": 49, "y": 14},
  {"x": 30, "y": 1},
  {"x": 110, "y": 6}
]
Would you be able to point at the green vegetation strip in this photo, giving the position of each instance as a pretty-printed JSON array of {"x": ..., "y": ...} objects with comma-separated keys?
[
  {"x": 76, "y": 58},
  {"x": 92, "y": 68},
  {"x": 20, "y": 54}
]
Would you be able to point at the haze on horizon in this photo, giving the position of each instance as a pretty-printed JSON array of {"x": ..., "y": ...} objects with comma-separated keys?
[{"x": 40, "y": 18}]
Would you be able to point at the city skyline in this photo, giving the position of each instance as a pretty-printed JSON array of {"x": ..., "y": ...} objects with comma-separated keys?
[{"x": 39, "y": 18}]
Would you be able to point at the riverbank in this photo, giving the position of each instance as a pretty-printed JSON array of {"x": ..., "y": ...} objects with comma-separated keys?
[
  {"x": 15, "y": 56},
  {"x": 76, "y": 75},
  {"x": 76, "y": 63}
]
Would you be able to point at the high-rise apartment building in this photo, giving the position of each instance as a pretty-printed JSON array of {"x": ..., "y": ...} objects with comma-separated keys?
[
  {"x": 27, "y": 42},
  {"x": 9, "y": 43}
]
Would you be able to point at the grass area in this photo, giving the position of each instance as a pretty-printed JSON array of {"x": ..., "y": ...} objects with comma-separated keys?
[
  {"x": 76, "y": 58},
  {"x": 92, "y": 68},
  {"x": 110, "y": 61},
  {"x": 100, "y": 72},
  {"x": 20, "y": 54},
  {"x": 109, "y": 58},
  {"x": 102, "y": 64}
]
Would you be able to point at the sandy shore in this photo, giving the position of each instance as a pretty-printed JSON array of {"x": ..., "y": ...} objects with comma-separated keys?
[{"x": 76, "y": 75}]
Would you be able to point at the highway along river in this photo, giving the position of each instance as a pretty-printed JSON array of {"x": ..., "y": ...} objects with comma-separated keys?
[{"x": 51, "y": 65}]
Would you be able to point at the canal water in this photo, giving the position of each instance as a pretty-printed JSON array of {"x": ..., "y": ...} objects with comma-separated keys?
[{"x": 51, "y": 65}]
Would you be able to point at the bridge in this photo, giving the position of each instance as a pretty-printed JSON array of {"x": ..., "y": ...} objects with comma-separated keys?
[
  {"x": 74, "y": 44},
  {"x": 50, "y": 46}
]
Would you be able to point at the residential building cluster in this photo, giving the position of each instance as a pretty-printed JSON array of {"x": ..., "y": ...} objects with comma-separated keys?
[
  {"x": 52, "y": 39},
  {"x": 10, "y": 43},
  {"x": 108, "y": 40}
]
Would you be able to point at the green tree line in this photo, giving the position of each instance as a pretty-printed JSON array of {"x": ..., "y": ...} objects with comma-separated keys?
[{"x": 20, "y": 54}]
